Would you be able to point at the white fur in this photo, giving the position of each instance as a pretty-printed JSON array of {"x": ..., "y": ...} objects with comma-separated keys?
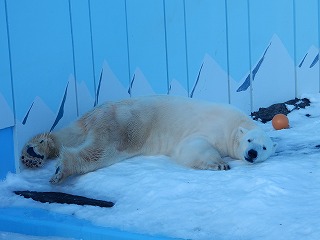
[{"x": 193, "y": 133}]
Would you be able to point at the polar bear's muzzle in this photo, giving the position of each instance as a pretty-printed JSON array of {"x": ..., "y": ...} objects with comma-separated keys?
[{"x": 251, "y": 155}]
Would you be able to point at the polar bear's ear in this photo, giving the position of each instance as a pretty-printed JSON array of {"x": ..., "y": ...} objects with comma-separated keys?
[{"x": 242, "y": 131}]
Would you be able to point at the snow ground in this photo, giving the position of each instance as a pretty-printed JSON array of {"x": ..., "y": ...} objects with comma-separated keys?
[{"x": 276, "y": 199}]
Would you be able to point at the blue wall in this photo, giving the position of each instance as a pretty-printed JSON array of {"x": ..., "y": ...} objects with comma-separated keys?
[{"x": 7, "y": 152}]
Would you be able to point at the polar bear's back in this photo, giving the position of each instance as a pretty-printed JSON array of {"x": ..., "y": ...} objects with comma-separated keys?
[
  {"x": 170, "y": 109},
  {"x": 172, "y": 119},
  {"x": 161, "y": 121},
  {"x": 164, "y": 111}
]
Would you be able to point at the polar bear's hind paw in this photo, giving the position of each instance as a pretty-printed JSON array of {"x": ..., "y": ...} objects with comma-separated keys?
[{"x": 57, "y": 177}]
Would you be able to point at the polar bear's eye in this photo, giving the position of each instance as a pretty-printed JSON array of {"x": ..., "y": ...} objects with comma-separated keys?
[
  {"x": 264, "y": 148},
  {"x": 249, "y": 140}
]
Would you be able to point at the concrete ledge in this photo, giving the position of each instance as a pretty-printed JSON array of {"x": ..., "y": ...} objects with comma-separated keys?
[{"x": 39, "y": 222}]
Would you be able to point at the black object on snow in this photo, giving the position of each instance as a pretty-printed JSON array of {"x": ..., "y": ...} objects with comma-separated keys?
[
  {"x": 59, "y": 197},
  {"x": 266, "y": 114}
]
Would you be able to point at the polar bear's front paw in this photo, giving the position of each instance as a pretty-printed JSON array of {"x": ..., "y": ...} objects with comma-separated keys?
[
  {"x": 216, "y": 165},
  {"x": 219, "y": 166}
]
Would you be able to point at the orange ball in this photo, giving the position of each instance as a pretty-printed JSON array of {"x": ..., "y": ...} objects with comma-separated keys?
[{"x": 280, "y": 121}]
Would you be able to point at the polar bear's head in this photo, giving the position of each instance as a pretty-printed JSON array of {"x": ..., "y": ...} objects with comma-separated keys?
[{"x": 254, "y": 145}]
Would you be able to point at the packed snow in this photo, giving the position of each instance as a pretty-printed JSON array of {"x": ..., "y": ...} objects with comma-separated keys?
[{"x": 276, "y": 199}]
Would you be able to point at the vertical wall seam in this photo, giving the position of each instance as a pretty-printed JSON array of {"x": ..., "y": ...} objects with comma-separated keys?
[
  {"x": 227, "y": 42},
  {"x": 295, "y": 50},
  {"x": 10, "y": 61},
  {"x": 318, "y": 41},
  {"x": 15, "y": 138},
  {"x": 92, "y": 54},
  {"x": 186, "y": 46},
  {"x": 250, "y": 59},
  {"x": 73, "y": 57},
  {"x": 128, "y": 49},
  {"x": 166, "y": 43}
]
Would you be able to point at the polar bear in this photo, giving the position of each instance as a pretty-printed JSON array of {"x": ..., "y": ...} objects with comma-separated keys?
[{"x": 193, "y": 133}]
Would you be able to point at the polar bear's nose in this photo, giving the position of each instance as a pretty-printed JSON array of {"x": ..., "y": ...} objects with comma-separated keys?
[{"x": 252, "y": 154}]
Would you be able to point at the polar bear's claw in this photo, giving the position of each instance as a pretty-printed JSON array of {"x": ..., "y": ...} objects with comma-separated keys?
[
  {"x": 224, "y": 167},
  {"x": 215, "y": 166},
  {"x": 220, "y": 166}
]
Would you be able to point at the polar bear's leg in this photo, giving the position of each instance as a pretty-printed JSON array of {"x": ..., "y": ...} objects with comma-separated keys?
[
  {"x": 75, "y": 162},
  {"x": 72, "y": 162},
  {"x": 89, "y": 156},
  {"x": 198, "y": 153}
]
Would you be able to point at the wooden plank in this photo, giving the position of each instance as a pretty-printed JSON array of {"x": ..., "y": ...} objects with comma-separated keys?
[
  {"x": 307, "y": 46},
  {"x": 41, "y": 52},
  {"x": 83, "y": 62},
  {"x": 147, "y": 47},
  {"x": 110, "y": 51},
  {"x": 239, "y": 54},
  {"x": 207, "y": 50},
  {"x": 176, "y": 47},
  {"x": 6, "y": 100},
  {"x": 272, "y": 51}
]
